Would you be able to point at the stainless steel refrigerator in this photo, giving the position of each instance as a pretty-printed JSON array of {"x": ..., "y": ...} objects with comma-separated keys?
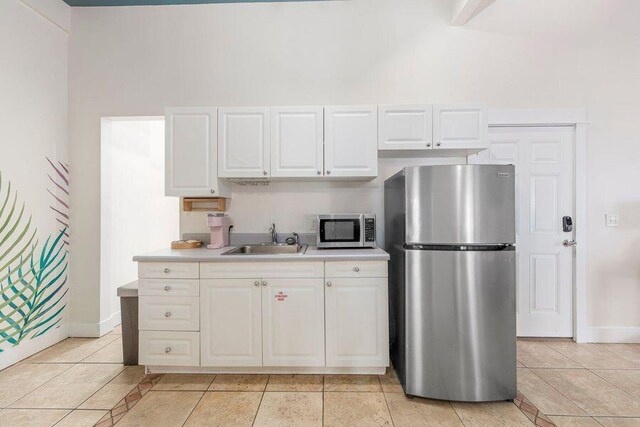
[{"x": 450, "y": 231}]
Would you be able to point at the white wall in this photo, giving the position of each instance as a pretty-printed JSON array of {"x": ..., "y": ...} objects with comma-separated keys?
[
  {"x": 136, "y": 216},
  {"x": 33, "y": 125},
  {"x": 524, "y": 54}
]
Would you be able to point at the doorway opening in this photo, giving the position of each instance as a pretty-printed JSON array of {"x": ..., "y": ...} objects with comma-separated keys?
[{"x": 135, "y": 215}]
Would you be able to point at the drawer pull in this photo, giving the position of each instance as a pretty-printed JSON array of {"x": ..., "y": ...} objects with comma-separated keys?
[
  {"x": 328, "y": 283},
  {"x": 256, "y": 283},
  {"x": 264, "y": 283},
  {"x": 166, "y": 270},
  {"x": 167, "y": 288},
  {"x": 167, "y": 314},
  {"x": 167, "y": 350},
  {"x": 356, "y": 269}
]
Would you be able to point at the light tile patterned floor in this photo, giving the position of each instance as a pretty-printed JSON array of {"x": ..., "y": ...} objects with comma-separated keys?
[{"x": 82, "y": 382}]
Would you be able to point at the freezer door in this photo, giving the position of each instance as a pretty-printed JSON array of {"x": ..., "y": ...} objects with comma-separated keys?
[
  {"x": 460, "y": 325},
  {"x": 460, "y": 204}
]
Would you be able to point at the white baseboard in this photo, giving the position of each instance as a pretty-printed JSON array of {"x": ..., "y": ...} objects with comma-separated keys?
[
  {"x": 614, "y": 334},
  {"x": 94, "y": 330},
  {"x": 30, "y": 347}
]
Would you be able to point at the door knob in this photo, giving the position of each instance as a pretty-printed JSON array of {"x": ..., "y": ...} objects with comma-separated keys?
[{"x": 569, "y": 243}]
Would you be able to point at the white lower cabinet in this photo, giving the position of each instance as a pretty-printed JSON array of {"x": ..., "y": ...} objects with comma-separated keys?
[
  {"x": 293, "y": 322},
  {"x": 231, "y": 322},
  {"x": 309, "y": 315},
  {"x": 357, "y": 322}
]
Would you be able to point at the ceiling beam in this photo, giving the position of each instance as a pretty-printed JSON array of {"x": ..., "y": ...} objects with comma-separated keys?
[{"x": 465, "y": 10}]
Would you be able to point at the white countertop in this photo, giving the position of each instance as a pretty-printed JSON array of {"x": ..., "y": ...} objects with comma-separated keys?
[{"x": 215, "y": 255}]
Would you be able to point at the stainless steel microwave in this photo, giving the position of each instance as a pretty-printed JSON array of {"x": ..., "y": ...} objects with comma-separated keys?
[{"x": 346, "y": 231}]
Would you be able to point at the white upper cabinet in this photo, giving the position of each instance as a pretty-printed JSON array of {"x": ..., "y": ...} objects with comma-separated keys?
[
  {"x": 191, "y": 157},
  {"x": 460, "y": 127},
  {"x": 244, "y": 142},
  {"x": 405, "y": 127},
  {"x": 297, "y": 141},
  {"x": 351, "y": 141}
]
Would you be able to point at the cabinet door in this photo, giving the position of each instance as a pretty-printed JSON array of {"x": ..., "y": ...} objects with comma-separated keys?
[
  {"x": 243, "y": 142},
  {"x": 357, "y": 322},
  {"x": 405, "y": 127},
  {"x": 351, "y": 141},
  {"x": 191, "y": 157},
  {"x": 293, "y": 322},
  {"x": 230, "y": 322},
  {"x": 460, "y": 126},
  {"x": 297, "y": 141}
]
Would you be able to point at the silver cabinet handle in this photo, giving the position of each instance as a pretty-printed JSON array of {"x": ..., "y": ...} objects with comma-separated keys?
[
  {"x": 256, "y": 283},
  {"x": 264, "y": 173},
  {"x": 329, "y": 284},
  {"x": 167, "y": 288},
  {"x": 319, "y": 173},
  {"x": 569, "y": 243},
  {"x": 264, "y": 283},
  {"x": 167, "y": 314},
  {"x": 213, "y": 191},
  {"x": 356, "y": 269},
  {"x": 328, "y": 172},
  {"x": 166, "y": 270},
  {"x": 429, "y": 144},
  {"x": 167, "y": 350},
  {"x": 439, "y": 144}
]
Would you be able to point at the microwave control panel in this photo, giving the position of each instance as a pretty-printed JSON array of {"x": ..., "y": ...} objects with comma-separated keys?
[{"x": 369, "y": 230}]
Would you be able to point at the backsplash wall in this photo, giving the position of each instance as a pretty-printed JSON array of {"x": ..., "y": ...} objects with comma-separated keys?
[{"x": 294, "y": 205}]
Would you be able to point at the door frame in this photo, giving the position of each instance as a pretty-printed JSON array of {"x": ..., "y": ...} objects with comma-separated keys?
[{"x": 578, "y": 119}]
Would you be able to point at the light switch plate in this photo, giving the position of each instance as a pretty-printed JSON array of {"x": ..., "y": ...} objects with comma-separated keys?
[{"x": 611, "y": 220}]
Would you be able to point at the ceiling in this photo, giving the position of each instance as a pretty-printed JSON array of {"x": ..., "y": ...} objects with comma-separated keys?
[{"x": 162, "y": 2}]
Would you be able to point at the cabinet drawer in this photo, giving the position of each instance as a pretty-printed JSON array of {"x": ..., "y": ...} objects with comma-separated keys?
[
  {"x": 169, "y": 287},
  {"x": 169, "y": 348},
  {"x": 168, "y": 270},
  {"x": 265, "y": 270},
  {"x": 356, "y": 269},
  {"x": 169, "y": 314}
]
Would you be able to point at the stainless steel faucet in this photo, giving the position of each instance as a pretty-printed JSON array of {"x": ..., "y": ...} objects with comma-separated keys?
[
  {"x": 296, "y": 238},
  {"x": 274, "y": 234}
]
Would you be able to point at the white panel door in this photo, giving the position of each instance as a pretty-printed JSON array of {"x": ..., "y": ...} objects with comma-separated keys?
[
  {"x": 356, "y": 316},
  {"x": 230, "y": 322},
  {"x": 244, "y": 142},
  {"x": 405, "y": 127},
  {"x": 460, "y": 126},
  {"x": 191, "y": 157},
  {"x": 297, "y": 141},
  {"x": 293, "y": 322},
  {"x": 544, "y": 194},
  {"x": 351, "y": 141}
]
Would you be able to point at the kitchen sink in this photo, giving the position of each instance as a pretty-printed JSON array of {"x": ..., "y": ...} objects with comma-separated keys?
[{"x": 268, "y": 249}]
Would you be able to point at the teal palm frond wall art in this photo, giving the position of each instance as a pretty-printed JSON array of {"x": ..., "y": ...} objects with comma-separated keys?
[{"x": 33, "y": 277}]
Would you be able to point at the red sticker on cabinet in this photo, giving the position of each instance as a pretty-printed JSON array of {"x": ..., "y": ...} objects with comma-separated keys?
[{"x": 281, "y": 296}]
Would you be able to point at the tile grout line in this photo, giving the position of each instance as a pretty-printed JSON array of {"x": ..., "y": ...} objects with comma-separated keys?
[
  {"x": 255, "y": 417},
  {"x": 386, "y": 402},
  {"x": 609, "y": 382},
  {"x": 559, "y": 392},
  {"x": 199, "y": 400}
]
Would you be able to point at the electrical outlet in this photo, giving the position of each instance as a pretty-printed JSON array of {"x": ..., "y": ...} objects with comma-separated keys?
[
  {"x": 314, "y": 224},
  {"x": 611, "y": 220}
]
